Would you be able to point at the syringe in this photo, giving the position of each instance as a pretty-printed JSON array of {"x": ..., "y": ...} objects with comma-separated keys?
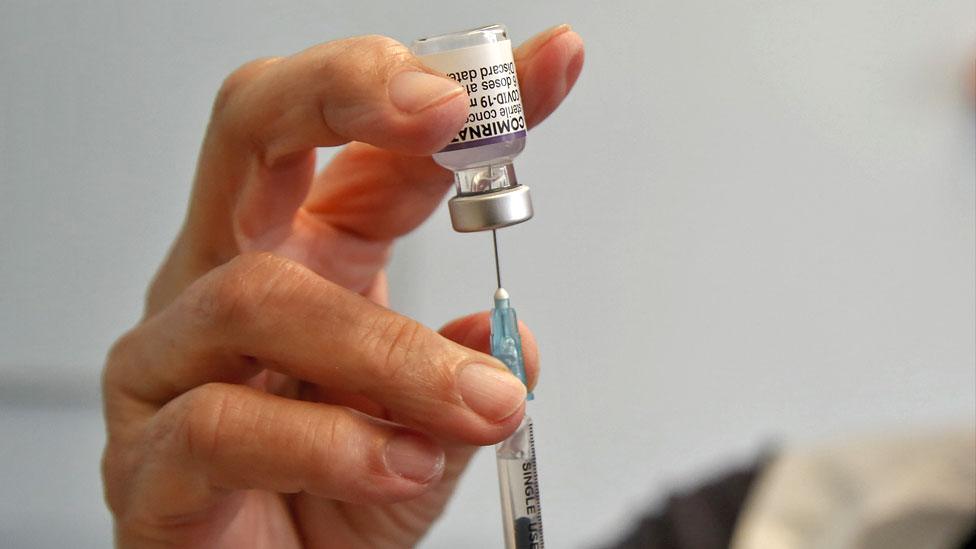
[{"x": 518, "y": 475}]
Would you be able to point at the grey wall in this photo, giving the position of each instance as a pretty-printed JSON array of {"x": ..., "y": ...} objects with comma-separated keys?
[{"x": 755, "y": 223}]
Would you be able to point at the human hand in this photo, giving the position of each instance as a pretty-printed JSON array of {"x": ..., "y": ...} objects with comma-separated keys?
[{"x": 267, "y": 397}]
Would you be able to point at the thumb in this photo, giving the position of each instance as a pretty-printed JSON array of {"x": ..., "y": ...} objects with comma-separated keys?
[{"x": 474, "y": 332}]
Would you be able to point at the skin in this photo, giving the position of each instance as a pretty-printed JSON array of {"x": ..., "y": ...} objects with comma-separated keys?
[{"x": 256, "y": 402}]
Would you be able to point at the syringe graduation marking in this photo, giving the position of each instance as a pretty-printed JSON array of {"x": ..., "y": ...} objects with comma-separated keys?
[{"x": 532, "y": 483}]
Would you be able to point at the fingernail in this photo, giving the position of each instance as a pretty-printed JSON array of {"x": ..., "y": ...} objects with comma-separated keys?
[
  {"x": 492, "y": 393},
  {"x": 413, "y": 91},
  {"x": 529, "y": 48},
  {"x": 413, "y": 457}
]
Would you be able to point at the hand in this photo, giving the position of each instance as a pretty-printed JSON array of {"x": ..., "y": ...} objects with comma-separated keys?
[{"x": 268, "y": 398}]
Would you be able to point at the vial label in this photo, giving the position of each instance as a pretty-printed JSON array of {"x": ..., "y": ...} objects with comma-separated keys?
[{"x": 487, "y": 73}]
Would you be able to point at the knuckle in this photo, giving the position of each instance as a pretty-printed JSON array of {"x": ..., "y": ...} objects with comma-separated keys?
[
  {"x": 398, "y": 340},
  {"x": 377, "y": 47},
  {"x": 234, "y": 294},
  {"x": 373, "y": 57},
  {"x": 323, "y": 442},
  {"x": 237, "y": 81},
  {"x": 206, "y": 416},
  {"x": 116, "y": 470},
  {"x": 385, "y": 48},
  {"x": 118, "y": 355},
  {"x": 123, "y": 354},
  {"x": 220, "y": 299},
  {"x": 350, "y": 453},
  {"x": 120, "y": 456}
]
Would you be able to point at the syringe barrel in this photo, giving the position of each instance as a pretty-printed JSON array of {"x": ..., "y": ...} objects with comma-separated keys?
[{"x": 518, "y": 482}]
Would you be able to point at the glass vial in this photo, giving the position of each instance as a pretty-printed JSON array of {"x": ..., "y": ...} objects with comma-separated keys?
[{"x": 488, "y": 193}]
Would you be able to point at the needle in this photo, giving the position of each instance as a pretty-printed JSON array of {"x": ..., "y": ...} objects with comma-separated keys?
[{"x": 498, "y": 270}]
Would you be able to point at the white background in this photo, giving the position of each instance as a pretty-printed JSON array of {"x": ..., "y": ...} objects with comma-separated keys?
[{"x": 755, "y": 225}]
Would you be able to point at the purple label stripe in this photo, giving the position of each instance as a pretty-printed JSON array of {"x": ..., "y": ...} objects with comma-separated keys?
[{"x": 485, "y": 141}]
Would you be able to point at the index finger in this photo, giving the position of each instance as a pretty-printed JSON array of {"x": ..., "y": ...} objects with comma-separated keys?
[
  {"x": 369, "y": 89},
  {"x": 261, "y": 311},
  {"x": 258, "y": 157}
]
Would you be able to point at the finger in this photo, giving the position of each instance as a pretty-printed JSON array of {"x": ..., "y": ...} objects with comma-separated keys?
[
  {"x": 271, "y": 114},
  {"x": 369, "y": 89},
  {"x": 221, "y": 437},
  {"x": 263, "y": 311},
  {"x": 549, "y": 65},
  {"x": 379, "y": 194},
  {"x": 324, "y": 523},
  {"x": 474, "y": 331}
]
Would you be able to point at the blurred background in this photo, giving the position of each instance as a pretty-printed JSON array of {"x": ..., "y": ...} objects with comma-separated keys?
[{"x": 754, "y": 226}]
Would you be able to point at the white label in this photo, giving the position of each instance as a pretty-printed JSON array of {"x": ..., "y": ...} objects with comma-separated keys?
[{"x": 487, "y": 73}]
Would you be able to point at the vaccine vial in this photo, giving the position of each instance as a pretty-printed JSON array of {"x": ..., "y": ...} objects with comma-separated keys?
[{"x": 489, "y": 195}]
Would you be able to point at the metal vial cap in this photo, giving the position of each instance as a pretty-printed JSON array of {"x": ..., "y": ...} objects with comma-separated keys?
[{"x": 482, "y": 212}]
